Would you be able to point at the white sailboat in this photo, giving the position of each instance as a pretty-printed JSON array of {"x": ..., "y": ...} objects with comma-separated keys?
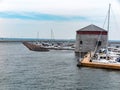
[{"x": 104, "y": 55}]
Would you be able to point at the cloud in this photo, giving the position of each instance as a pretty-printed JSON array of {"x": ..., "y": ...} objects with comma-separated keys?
[
  {"x": 55, "y": 9},
  {"x": 24, "y": 18},
  {"x": 39, "y": 16},
  {"x": 59, "y": 7}
]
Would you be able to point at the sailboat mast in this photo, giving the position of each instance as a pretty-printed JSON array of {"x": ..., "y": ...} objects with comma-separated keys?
[
  {"x": 108, "y": 27},
  {"x": 52, "y": 35},
  {"x": 108, "y": 17},
  {"x": 37, "y": 39},
  {"x": 37, "y": 35}
]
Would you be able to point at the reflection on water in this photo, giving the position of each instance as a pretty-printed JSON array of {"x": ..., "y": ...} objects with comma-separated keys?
[{"x": 21, "y": 69}]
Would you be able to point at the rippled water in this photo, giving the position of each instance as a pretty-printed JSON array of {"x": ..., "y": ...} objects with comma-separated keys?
[{"x": 21, "y": 69}]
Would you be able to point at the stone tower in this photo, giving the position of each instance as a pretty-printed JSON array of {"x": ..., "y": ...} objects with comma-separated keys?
[{"x": 89, "y": 37}]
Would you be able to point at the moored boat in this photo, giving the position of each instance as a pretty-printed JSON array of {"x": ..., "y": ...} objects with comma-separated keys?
[
  {"x": 103, "y": 58},
  {"x": 87, "y": 62}
]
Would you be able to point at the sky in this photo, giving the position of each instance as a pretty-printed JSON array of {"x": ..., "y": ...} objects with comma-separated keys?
[{"x": 27, "y": 18}]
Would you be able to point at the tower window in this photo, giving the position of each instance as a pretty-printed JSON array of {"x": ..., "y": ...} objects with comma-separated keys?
[
  {"x": 81, "y": 42},
  {"x": 99, "y": 43}
]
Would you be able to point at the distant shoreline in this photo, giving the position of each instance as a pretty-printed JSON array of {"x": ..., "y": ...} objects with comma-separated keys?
[
  {"x": 45, "y": 40},
  {"x": 34, "y": 40}
]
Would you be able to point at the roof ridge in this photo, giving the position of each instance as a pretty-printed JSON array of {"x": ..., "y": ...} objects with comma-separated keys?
[{"x": 91, "y": 27}]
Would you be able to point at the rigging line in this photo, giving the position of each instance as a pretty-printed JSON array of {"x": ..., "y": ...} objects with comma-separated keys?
[
  {"x": 116, "y": 22},
  {"x": 108, "y": 15},
  {"x": 99, "y": 37},
  {"x": 105, "y": 20},
  {"x": 97, "y": 43}
]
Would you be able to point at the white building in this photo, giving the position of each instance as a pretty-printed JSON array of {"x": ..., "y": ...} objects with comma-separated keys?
[{"x": 89, "y": 37}]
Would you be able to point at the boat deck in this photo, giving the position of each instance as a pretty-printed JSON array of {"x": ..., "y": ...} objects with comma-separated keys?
[{"x": 86, "y": 62}]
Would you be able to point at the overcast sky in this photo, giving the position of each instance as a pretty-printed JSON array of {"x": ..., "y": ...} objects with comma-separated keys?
[{"x": 25, "y": 18}]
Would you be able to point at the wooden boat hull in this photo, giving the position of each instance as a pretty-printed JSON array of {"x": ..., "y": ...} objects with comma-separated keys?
[
  {"x": 86, "y": 62},
  {"x": 34, "y": 47}
]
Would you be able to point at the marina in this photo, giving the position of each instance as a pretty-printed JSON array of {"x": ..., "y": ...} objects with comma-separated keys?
[
  {"x": 53, "y": 70},
  {"x": 99, "y": 56},
  {"x": 60, "y": 45}
]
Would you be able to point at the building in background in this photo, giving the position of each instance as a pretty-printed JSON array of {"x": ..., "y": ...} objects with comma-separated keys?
[{"x": 89, "y": 37}]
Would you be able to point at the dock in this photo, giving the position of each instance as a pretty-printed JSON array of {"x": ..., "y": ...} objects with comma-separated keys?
[{"x": 87, "y": 62}]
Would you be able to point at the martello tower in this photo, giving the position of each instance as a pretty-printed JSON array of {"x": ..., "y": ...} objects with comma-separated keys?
[{"x": 88, "y": 37}]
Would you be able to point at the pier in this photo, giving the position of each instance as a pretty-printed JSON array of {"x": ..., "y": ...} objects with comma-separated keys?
[{"x": 87, "y": 62}]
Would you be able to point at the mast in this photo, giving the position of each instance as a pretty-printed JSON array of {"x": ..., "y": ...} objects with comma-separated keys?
[
  {"x": 37, "y": 35},
  {"x": 108, "y": 17},
  {"x": 108, "y": 27},
  {"x": 52, "y": 35},
  {"x": 37, "y": 39}
]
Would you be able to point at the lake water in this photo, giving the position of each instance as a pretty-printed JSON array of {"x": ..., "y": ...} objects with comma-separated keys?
[{"x": 21, "y": 69}]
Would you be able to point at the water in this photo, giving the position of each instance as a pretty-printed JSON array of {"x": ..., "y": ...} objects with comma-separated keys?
[{"x": 21, "y": 69}]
